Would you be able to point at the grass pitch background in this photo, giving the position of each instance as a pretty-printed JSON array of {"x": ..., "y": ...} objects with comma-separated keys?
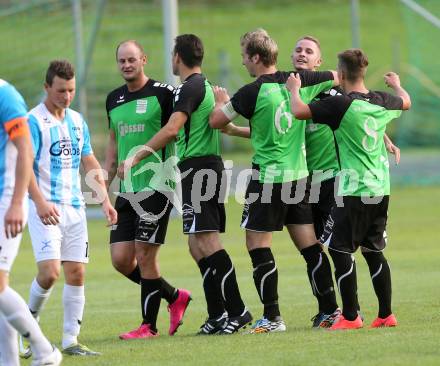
[{"x": 113, "y": 302}]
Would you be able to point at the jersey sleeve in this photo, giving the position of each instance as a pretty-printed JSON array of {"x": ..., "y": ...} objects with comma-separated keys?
[
  {"x": 107, "y": 109},
  {"x": 330, "y": 111},
  {"x": 188, "y": 96},
  {"x": 35, "y": 134},
  {"x": 87, "y": 147},
  {"x": 391, "y": 102},
  {"x": 13, "y": 111},
  {"x": 314, "y": 83},
  {"x": 166, "y": 104},
  {"x": 244, "y": 100}
]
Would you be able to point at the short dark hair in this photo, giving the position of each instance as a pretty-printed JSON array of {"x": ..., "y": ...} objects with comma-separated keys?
[
  {"x": 354, "y": 63},
  {"x": 311, "y": 38},
  {"x": 190, "y": 49},
  {"x": 258, "y": 42},
  {"x": 132, "y": 41},
  {"x": 61, "y": 68}
]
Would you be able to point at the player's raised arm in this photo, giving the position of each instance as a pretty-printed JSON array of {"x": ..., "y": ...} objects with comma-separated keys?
[
  {"x": 223, "y": 114},
  {"x": 335, "y": 78},
  {"x": 393, "y": 81},
  {"x": 299, "y": 109}
]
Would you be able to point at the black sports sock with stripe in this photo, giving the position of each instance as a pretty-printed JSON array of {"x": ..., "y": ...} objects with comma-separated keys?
[
  {"x": 320, "y": 277},
  {"x": 135, "y": 276},
  {"x": 151, "y": 294},
  {"x": 345, "y": 274},
  {"x": 266, "y": 281},
  {"x": 212, "y": 291},
  {"x": 381, "y": 278},
  {"x": 169, "y": 293},
  {"x": 224, "y": 274}
]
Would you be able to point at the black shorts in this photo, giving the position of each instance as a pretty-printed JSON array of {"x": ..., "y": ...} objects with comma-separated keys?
[
  {"x": 268, "y": 207},
  {"x": 203, "y": 198},
  {"x": 357, "y": 224},
  {"x": 322, "y": 199},
  {"x": 144, "y": 221}
]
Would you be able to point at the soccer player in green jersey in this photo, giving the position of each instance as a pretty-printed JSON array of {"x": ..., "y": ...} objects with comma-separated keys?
[
  {"x": 203, "y": 212},
  {"x": 136, "y": 111},
  {"x": 321, "y": 155},
  {"x": 279, "y": 172},
  {"x": 358, "y": 118}
]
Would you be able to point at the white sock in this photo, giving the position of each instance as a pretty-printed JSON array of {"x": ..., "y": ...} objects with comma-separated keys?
[
  {"x": 38, "y": 297},
  {"x": 17, "y": 314},
  {"x": 73, "y": 302},
  {"x": 8, "y": 344}
]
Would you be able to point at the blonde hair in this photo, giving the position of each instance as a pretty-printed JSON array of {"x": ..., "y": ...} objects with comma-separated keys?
[{"x": 258, "y": 42}]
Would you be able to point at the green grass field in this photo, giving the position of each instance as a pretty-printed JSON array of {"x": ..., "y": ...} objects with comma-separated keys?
[{"x": 113, "y": 302}]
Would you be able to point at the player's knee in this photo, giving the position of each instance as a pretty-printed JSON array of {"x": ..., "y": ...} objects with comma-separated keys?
[
  {"x": 123, "y": 265},
  {"x": 75, "y": 275},
  {"x": 146, "y": 259},
  {"x": 47, "y": 278},
  {"x": 208, "y": 243}
]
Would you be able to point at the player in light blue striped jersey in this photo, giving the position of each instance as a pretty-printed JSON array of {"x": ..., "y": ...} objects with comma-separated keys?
[{"x": 57, "y": 219}]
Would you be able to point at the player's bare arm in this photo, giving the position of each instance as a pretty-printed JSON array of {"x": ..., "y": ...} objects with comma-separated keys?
[
  {"x": 391, "y": 148},
  {"x": 222, "y": 98},
  {"x": 111, "y": 158},
  {"x": 14, "y": 216},
  {"x": 392, "y": 80},
  {"x": 46, "y": 211},
  {"x": 299, "y": 109},
  {"x": 159, "y": 140},
  {"x": 90, "y": 164},
  {"x": 220, "y": 117}
]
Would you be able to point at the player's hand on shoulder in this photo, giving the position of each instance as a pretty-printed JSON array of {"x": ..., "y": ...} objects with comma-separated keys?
[
  {"x": 293, "y": 82},
  {"x": 48, "y": 212},
  {"x": 392, "y": 79},
  {"x": 220, "y": 94}
]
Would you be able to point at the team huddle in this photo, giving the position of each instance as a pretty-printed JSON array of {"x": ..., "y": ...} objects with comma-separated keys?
[{"x": 320, "y": 168}]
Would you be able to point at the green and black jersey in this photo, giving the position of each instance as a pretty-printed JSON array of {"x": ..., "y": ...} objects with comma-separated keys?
[
  {"x": 359, "y": 121},
  {"x": 135, "y": 118},
  {"x": 322, "y": 160},
  {"x": 195, "y": 98},
  {"x": 276, "y": 137}
]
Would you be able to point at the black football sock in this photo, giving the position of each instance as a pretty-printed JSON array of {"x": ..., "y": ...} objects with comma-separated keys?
[
  {"x": 266, "y": 280},
  {"x": 135, "y": 276},
  {"x": 224, "y": 274},
  {"x": 345, "y": 274},
  {"x": 169, "y": 293},
  {"x": 151, "y": 294},
  {"x": 212, "y": 291},
  {"x": 381, "y": 278},
  {"x": 320, "y": 277}
]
